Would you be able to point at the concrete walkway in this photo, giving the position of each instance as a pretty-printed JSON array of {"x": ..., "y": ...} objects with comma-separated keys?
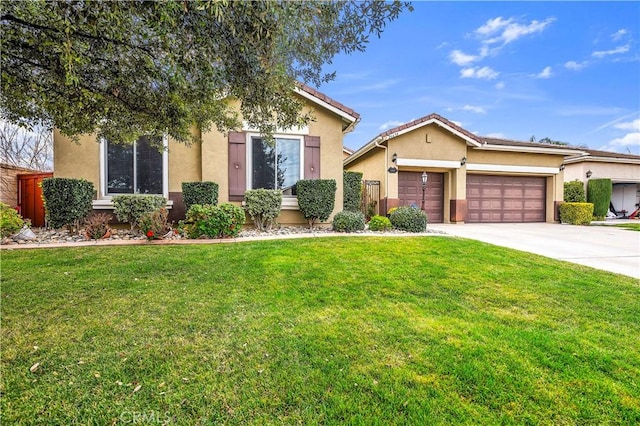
[{"x": 603, "y": 247}]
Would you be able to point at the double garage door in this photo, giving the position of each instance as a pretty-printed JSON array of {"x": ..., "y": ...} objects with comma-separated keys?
[{"x": 494, "y": 199}]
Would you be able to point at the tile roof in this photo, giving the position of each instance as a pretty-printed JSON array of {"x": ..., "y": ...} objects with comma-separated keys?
[
  {"x": 609, "y": 154},
  {"x": 433, "y": 116},
  {"x": 313, "y": 92},
  {"x": 511, "y": 142}
]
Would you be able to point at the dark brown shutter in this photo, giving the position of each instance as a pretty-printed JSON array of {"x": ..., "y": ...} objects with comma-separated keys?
[
  {"x": 237, "y": 165},
  {"x": 312, "y": 157}
]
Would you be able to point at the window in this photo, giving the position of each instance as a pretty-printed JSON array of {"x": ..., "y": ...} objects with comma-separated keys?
[
  {"x": 135, "y": 169},
  {"x": 278, "y": 166}
]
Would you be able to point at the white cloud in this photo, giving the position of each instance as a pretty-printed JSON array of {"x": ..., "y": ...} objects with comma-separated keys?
[
  {"x": 545, "y": 73},
  {"x": 461, "y": 58},
  {"x": 473, "y": 108},
  {"x": 457, "y": 123},
  {"x": 476, "y": 72},
  {"x": 619, "y": 34},
  {"x": 575, "y": 66},
  {"x": 630, "y": 141},
  {"x": 497, "y": 135},
  {"x": 629, "y": 125},
  {"x": 389, "y": 124},
  {"x": 507, "y": 30},
  {"x": 500, "y": 85},
  {"x": 616, "y": 51}
]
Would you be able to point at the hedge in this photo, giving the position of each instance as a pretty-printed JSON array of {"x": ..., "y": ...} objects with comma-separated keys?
[
  {"x": 599, "y": 194},
  {"x": 316, "y": 199},
  {"x": 346, "y": 221},
  {"x": 576, "y": 213},
  {"x": 263, "y": 206},
  {"x": 66, "y": 201},
  {"x": 574, "y": 192},
  {"x": 131, "y": 207},
  {"x": 352, "y": 191},
  {"x": 199, "y": 193},
  {"x": 409, "y": 219}
]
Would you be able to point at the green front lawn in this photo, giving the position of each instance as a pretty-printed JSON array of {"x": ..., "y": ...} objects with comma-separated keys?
[
  {"x": 318, "y": 331},
  {"x": 631, "y": 226}
]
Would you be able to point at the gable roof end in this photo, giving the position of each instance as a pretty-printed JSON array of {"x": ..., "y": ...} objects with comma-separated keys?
[{"x": 349, "y": 117}]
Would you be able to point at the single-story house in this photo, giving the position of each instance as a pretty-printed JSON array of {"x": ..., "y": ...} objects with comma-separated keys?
[
  {"x": 469, "y": 178},
  {"x": 622, "y": 169},
  {"x": 236, "y": 161}
]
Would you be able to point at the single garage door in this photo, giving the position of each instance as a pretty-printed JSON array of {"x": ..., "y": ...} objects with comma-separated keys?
[
  {"x": 410, "y": 192},
  {"x": 494, "y": 199}
]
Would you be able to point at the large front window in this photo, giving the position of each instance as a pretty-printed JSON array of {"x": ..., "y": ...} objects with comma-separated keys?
[
  {"x": 276, "y": 166},
  {"x": 134, "y": 169}
]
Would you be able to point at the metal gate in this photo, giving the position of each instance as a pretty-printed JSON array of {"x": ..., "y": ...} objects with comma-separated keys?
[{"x": 371, "y": 198}]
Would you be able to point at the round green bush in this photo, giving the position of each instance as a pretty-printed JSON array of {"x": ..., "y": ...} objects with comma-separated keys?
[
  {"x": 379, "y": 223},
  {"x": 347, "y": 221},
  {"x": 409, "y": 219},
  {"x": 10, "y": 221},
  {"x": 574, "y": 192}
]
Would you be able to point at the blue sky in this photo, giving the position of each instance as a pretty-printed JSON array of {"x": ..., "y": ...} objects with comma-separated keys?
[{"x": 569, "y": 71}]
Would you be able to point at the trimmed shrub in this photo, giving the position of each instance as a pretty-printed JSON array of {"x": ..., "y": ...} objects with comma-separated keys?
[
  {"x": 379, "y": 223},
  {"x": 210, "y": 221},
  {"x": 131, "y": 207},
  {"x": 599, "y": 194},
  {"x": 154, "y": 224},
  {"x": 351, "y": 191},
  {"x": 346, "y": 221},
  {"x": 263, "y": 206},
  {"x": 316, "y": 199},
  {"x": 574, "y": 192},
  {"x": 66, "y": 201},
  {"x": 576, "y": 213},
  {"x": 10, "y": 221},
  {"x": 199, "y": 193},
  {"x": 97, "y": 225},
  {"x": 409, "y": 219}
]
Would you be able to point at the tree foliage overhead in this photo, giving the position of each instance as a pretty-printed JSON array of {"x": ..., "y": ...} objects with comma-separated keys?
[{"x": 127, "y": 68}]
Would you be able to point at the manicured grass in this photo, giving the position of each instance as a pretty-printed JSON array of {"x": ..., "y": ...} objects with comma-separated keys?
[
  {"x": 631, "y": 226},
  {"x": 321, "y": 331}
]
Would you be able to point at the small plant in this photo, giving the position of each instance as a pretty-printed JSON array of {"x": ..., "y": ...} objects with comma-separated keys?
[
  {"x": 96, "y": 226},
  {"x": 379, "y": 223},
  {"x": 66, "y": 201},
  {"x": 199, "y": 193},
  {"x": 10, "y": 221},
  {"x": 391, "y": 210},
  {"x": 351, "y": 191},
  {"x": 263, "y": 206},
  {"x": 316, "y": 199},
  {"x": 574, "y": 192},
  {"x": 576, "y": 213},
  {"x": 153, "y": 225},
  {"x": 210, "y": 221},
  {"x": 409, "y": 219},
  {"x": 347, "y": 221},
  {"x": 130, "y": 208},
  {"x": 371, "y": 208}
]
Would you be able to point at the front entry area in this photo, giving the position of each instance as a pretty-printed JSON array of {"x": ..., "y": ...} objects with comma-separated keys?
[
  {"x": 497, "y": 199},
  {"x": 410, "y": 193}
]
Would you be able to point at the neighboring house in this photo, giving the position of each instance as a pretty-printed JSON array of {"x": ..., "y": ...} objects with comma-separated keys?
[
  {"x": 346, "y": 151},
  {"x": 622, "y": 169},
  {"x": 236, "y": 161},
  {"x": 470, "y": 178}
]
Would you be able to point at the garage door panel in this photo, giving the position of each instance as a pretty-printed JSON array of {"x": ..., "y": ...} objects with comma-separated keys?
[
  {"x": 505, "y": 198},
  {"x": 410, "y": 193}
]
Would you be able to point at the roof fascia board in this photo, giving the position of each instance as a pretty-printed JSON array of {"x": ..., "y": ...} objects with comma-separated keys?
[
  {"x": 348, "y": 117},
  {"x": 602, "y": 160},
  {"x": 530, "y": 149}
]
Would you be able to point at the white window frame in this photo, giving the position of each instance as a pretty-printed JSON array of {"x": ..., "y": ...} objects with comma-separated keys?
[
  {"x": 103, "y": 170},
  {"x": 289, "y": 202}
]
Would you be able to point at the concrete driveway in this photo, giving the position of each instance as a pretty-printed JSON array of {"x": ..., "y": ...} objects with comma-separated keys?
[{"x": 602, "y": 247}]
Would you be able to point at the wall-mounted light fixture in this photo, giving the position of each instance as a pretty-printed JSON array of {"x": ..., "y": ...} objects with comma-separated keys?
[
  {"x": 463, "y": 161},
  {"x": 589, "y": 174},
  {"x": 561, "y": 167},
  {"x": 394, "y": 157},
  {"x": 392, "y": 170}
]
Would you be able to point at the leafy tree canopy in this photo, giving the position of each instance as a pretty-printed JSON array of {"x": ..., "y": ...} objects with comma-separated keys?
[
  {"x": 547, "y": 140},
  {"x": 122, "y": 69}
]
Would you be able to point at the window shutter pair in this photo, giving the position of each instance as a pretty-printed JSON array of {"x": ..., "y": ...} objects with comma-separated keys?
[{"x": 238, "y": 160}]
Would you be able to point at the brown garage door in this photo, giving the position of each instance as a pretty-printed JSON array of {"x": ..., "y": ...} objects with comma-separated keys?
[
  {"x": 505, "y": 199},
  {"x": 410, "y": 192}
]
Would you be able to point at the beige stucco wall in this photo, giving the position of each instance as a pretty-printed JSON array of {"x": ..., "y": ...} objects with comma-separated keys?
[
  {"x": 77, "y": 160},
  {"x": 476, "y": 156},
  {"x": 617, "y": 172}
]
